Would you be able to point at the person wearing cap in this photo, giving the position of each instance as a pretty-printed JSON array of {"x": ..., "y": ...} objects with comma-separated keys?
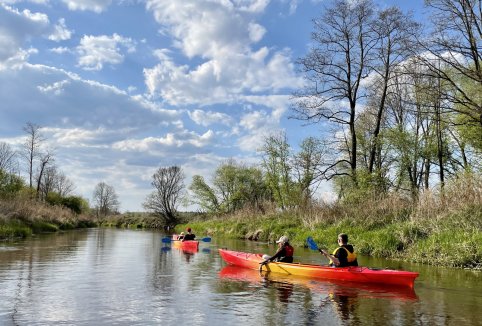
[
  {"x": 342, "y": 256},
  {"x": 283, "y": 254},
  {"x": 189, "y": 235}
]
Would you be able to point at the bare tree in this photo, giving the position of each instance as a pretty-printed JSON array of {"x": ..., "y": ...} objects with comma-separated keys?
[
  {"x": 334, "y": 69},
  {"x": 45, "y": 160},
  {"x": 457, "y": 49},
  {"x": 105, "y": 199},
  {"x": 54, "y": 180},
  {"x": 62, "y": 185},
  {"x": 31, "y": 149},
  {"x": 169, "y": 187},
  {"x": 396, "y": 35},
  {"x": 48, "y": 181},
  {"x": 7, "y": 157}
]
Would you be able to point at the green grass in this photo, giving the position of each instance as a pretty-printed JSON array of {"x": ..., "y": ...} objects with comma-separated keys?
[
  {"x": 14, "y": 229},
  {"x": 452, "y": 240}
]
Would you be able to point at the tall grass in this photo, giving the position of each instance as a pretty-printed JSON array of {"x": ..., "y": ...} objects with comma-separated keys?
[
  {"x": 22, "y": 216},
  {"x": 443, "y": 227}
]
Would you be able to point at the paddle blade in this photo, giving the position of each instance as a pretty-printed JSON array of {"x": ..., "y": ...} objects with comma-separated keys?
[
  {"x": 311, "y": 243},
  {"x": 206, "y": 239},
  {"x": 166, "y": 240}
]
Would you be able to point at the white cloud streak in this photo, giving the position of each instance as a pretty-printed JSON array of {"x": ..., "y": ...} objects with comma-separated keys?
[{"x": 97, "y": 6}]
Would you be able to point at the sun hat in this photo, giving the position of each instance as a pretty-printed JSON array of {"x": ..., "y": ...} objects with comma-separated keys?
[{"x": 283, "y": 239}]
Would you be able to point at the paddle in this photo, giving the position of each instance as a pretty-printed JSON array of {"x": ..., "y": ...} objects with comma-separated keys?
[
  {"x": 169, "y": 240},
  {"x": 312, "y": 244}
]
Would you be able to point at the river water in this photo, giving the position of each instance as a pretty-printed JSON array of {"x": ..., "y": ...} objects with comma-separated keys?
[{"x": 128, "y": 277}]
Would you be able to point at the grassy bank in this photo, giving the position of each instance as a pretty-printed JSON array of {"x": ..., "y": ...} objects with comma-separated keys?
[
  {"x": 440, "y": 229},
  {"x": 21, "y": 217}
]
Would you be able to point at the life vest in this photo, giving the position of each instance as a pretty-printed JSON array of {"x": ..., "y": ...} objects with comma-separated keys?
[
  {"x": 289, "y": 250},
  {"x": 351, "y": 256}
]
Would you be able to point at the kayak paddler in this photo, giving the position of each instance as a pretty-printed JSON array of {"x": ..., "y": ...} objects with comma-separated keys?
[
  {"x": 283, "y": 254},
  {"x": 189, "y": 235},
  {"x": 342, "y": 256}
]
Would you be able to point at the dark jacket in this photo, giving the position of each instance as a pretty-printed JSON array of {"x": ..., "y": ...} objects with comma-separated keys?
[
  {"x": 189, "y": 236},
  {"x": 284, "y": 254}
]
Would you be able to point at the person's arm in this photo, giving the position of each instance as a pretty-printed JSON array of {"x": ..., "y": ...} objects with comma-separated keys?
[
  {"x": 276, "y": 255},
  {"x": 335, "y": 260}
]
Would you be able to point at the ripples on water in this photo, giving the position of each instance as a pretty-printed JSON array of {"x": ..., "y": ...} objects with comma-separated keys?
[{"x": 124, "y": 277}]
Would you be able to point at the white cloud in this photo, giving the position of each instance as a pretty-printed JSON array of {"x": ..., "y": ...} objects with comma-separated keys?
[
  {"x": 254, "y": 120},
  {"x": 253, "y": 6},
  {"x": 159, "y": 144},
  {"x": 92, "y": 5},
  {"x": 222, "y": 34},
  {"x": 95, "y": 51},
  {"x": 55, "y": 88},
  {"x": 60, "y": 50},
  {"x": 57, "y": 98},
  {"x": 61, "y": 32},
  {"x": 206, "y": 118},
  {"x": 256, "y": 32},
  {"x": 221, "y": 80},
  {"x": 16, "y": 27}
]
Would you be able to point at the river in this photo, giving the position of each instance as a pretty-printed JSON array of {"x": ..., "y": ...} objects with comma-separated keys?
[{"x": 129, "y": 277}]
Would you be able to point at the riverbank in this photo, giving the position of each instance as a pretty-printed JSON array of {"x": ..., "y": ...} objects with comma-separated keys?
[
  {"x": 21, "y": 217},
  {"x": 440, "y": 229}
]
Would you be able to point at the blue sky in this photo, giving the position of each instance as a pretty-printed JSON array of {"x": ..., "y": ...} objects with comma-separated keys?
[{"x": 122, "y": 87}]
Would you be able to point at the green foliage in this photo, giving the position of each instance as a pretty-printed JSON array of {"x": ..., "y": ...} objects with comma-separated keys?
[
  {"x": 234, "y": 187},
  {"x": 204, "y": 195},
  {"x": 367, "y": 186},
  {"x": 276, "y": 164},
  {"x": 54, "y": 198},
  {"x": 10, "y": 184},
  {"x": 471, "y": 133},
  {"x": 77, "y": 204},
  {"x": 42, "y": 226}
]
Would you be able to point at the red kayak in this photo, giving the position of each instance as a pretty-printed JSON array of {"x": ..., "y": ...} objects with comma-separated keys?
[
  {"x": 188, "y": 245},
  {"x": 351, "y": 274}
]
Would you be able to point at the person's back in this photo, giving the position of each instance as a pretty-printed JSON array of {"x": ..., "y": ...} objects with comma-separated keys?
[
  {"x": 287, "y": 254},
  {"x": 189, "y": 235},
  {"x": 346, "y": 255}
]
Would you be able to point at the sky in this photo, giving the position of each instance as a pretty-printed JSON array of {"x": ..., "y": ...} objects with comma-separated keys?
[{"x": 123, "y": 87}]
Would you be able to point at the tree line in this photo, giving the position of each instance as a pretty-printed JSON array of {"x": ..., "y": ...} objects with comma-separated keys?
[
  {"x": 44, "y": 180},
  {"x": 400, "y": 104},
  {"x": 403, "y": 103}
]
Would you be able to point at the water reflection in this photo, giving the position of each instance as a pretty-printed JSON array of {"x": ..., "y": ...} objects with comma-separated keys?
[
  {"x": 343, "y": 302},
  {"x": 327, "y": 287},
  {"x": 127, "y": 277}
]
